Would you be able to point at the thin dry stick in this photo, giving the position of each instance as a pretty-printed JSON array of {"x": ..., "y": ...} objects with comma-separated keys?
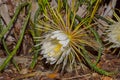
[{"x": 76, "y": 77}]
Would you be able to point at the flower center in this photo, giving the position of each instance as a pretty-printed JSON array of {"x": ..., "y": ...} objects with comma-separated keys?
[{"x": 57, "y": 48}]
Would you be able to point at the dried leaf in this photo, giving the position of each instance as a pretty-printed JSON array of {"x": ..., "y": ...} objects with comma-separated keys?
[
  {"x": 33, "y": 10},
  {"x": 4, "y": 13},
  {"x": 106, "y": 78},
  {"x": 52, "y": 75},
  {"x": 24, "y": 71},
  {"x": 82, "y": 11},
  {"x": 2, "y": 60}
]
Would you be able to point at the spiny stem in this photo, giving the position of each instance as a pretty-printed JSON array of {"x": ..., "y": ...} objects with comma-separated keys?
[
  {"x": 94, "y": 67},
  {"x": 6, "y": 49},
  {"x": 94, "y": 32},
  {"x": 9, "y": 57},
  {"x": 12, "y": 21},
  {"x": 8, "y": 53},
  {"x": 36, "y": 52}
]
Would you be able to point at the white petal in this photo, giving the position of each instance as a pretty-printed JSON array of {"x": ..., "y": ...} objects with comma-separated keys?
[
  {"x": 55, "y": 36},
  {"x": 64, "y": 43},
  {"x": 52, "y": 59},
  {"x": 62, "y": 37},
  {"x": 55, "y": 32},
  {"x": 48, "y": 49},
  {"x": 46, "y": 45},
  {"x": 52, "y": 62},
  {"x": 45, "y": 56},
  {"x": 59, "y": 36}
]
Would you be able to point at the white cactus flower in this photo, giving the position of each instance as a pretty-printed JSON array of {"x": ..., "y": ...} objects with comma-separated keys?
[
  {"x": 55, "y": 47},
  {"x": 114, "y": 34}
]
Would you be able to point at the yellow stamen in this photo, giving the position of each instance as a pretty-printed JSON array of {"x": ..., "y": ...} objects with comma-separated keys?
[{"x": 57, "y": 48}]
